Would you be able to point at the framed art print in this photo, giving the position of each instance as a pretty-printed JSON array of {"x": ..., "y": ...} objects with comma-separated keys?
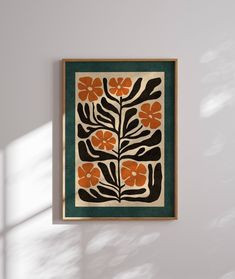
[{"x": 119, "y": 139}]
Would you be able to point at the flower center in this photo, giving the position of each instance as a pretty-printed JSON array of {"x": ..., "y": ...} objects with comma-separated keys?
[
  {"x": 89, "y": 88},
  {"x": 119, "y": 87},
  {"x": 133, "y": 173},
  {"x": 88, "y": 175}
]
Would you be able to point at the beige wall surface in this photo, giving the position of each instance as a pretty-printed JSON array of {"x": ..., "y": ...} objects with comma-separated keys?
[{"x": 34, "y": 36}]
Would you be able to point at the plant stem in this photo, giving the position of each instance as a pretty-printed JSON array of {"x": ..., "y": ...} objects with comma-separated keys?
[{"x": 119, "y": 148}]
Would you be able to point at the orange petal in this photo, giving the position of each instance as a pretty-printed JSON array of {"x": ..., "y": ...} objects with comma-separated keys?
[
  {"x": 98, "y": 91},
  {"x": 113, "y": 82},
  {"x": 119, "y": 92},
  {"x": 119, "y": 80},
  {"x": 84, "y": 182},
  {"x": 146, "y": 107},
  {"x": 94, "y": 180},
  {"x": 145, "y": 122},
  {"x": 83, "y": 95},
  {"x": 125, "y": 91},
  {"x": 125, "y": 173},
  {"x": 99, "y": 134},
  {"x": 112, "y": 140},
  {"x": 155, "y": 107},
  {"x": 102, "y": 146},
  {"x": 154, "y": 123},
  {"x": 126, "y": 82},
  {"x": 82, "y": 86},
  {"x": 95, "y": 141},
  {"x": 81, "y": 172},
  {"x": 97, "y": 82},
  {"x": 130, "y": 181},
  {"x": 95, "y": 172},
  {"x": 140, "y": 180},
  {"x": 107, "y": 135},
  {"x": 108, "y": 146},
  {"x": 87, "y": 167},
  {"x": 143, "y": 114},
  {"x": 92, "y": 97},
  {"x": 132, "y": 165},
  {"x": 157, "y": 115},
  {"x": 141, "y": 169},
  {"x": 86, "y": 80},
  {"x": 113, "y": 90}
]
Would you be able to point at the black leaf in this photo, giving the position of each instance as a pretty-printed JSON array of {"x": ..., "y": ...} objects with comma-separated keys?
[
  {"x": 101, "y": 118},
  {"x": 98, "y": 155},
  {"x": 134, "y": 191},
  {"x": 82, "y": 116},
  {"x": 134, "y": 90},
  {"x": 86, "y": 196},
  {"x": 105, "y": 113},
  {"x": 82, "y": 132},
  {"x": 109, "y": 106},
  {"x": 129, "y": 113},
  {"x": 133, "y": 124},
  {"x": 106, "y": 191},
  {"x": 153, "y": 140},
  {"x": 142, "y": 134},
  {"x": 113, "y": 171},
  {"x": 124, "y": 143},
  {"x": 153, "y": 154},
  {"x": 106, "y": 173}
]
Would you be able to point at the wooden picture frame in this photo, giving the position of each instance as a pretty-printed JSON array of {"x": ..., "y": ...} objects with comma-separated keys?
[{"x": 119, "y": 126}]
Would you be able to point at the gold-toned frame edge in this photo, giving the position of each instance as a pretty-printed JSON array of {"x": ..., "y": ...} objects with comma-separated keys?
[{"x": 176, "y": 216}]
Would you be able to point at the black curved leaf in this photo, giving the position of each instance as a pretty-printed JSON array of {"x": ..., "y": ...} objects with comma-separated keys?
[
  {"x": 128, "y": 115},
  {"x": 85, "y": 119},
  {"x": 98, "y": 155},
  {"x": 109, "y": 106},
  {"x": 103, "y": 119},
  {"x": 153, "y": 154},
  {"x": 124, "y": 143},
  {"x": 134, "y": 90},
  {"x": 153, "y": 140},
  {"x": 113, "y": 171},
  {"x": 86, "y": 196},
  {"x": 132, "y": 125},
  {"x": 107, "y": 191},
  {"x": 105, "y": 113},
  {"x": 82, "y": 133},
  {"x": 134, "y": 191},
  {"x": 142, "y": 134},
  {"x": 87, "y": 111},
  {"x": 106, "y": 173}
]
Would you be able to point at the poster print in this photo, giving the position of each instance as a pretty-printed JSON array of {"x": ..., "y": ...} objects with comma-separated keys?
[{"x": 119, "y": 135}]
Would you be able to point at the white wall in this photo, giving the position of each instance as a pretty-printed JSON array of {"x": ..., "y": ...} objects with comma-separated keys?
[{"x": 34, "y": 36}]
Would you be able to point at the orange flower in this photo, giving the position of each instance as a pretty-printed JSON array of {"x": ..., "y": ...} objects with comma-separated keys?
[
  {"x": 103, "y": 140},
  {"x": 150, "y": 115},
  {"x": 88, "y": 175},
  {"x": 133, "y": 173},
  {"x": 120, "y": 86},
  {"x": 89, "y": 88}
]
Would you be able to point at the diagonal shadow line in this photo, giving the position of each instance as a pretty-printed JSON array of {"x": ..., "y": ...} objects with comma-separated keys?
[{"x": 9, "y": 228}]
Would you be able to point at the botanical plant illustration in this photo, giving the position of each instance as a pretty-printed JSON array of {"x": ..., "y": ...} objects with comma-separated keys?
[{"x": 119, "y": 133}]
